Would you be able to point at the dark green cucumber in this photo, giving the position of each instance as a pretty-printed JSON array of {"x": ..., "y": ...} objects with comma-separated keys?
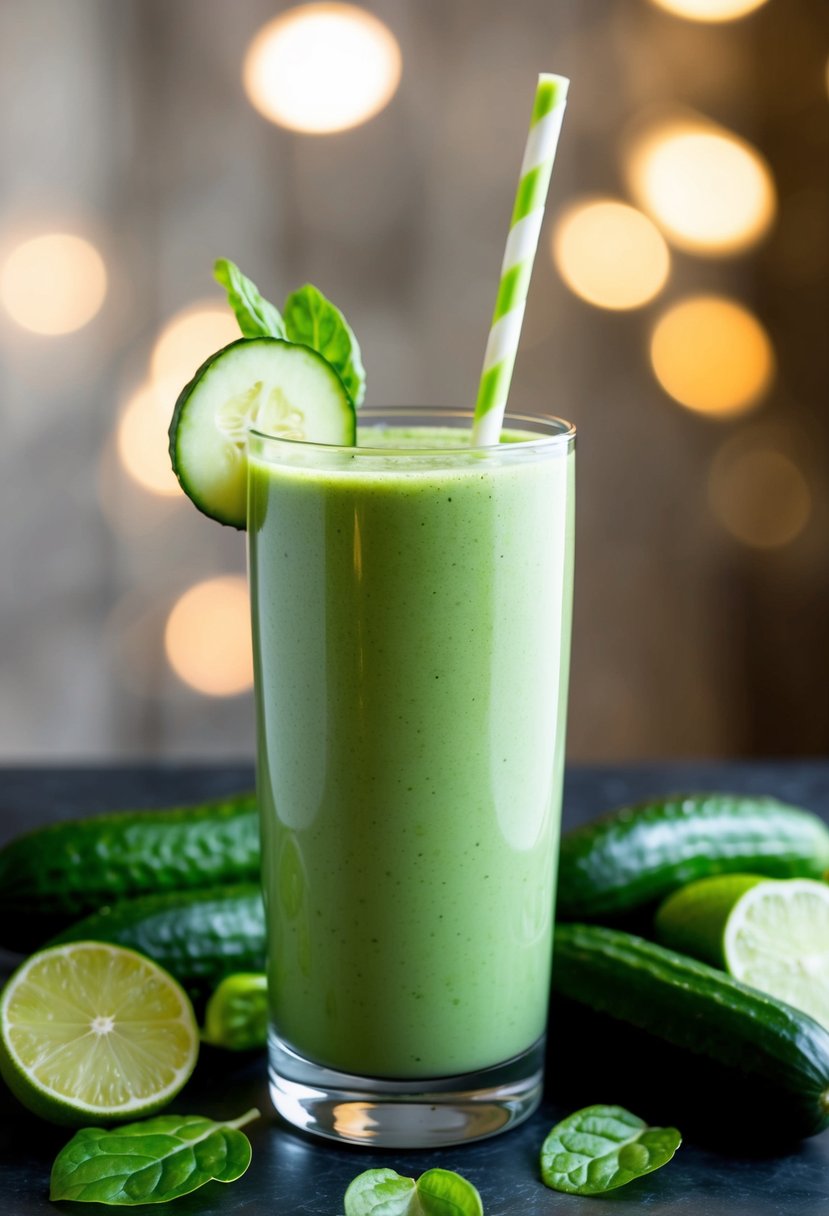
[
  {"x": 198, "y": 936},
  {"x": 753, "y": 1060},
  {"x": 52, "y": 876},
  {"x": 639, "y": 854}
]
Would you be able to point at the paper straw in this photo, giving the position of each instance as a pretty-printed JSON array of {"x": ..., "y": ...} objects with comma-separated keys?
[{"x": 516, "y": 269}]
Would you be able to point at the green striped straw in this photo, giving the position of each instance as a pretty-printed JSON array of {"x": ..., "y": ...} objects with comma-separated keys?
[{"x": 522, "y": 242}]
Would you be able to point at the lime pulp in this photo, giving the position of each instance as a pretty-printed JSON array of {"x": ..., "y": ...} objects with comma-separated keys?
[
  {"x": 95, "y": 1032},
  {"x": 777, "y": 940}
]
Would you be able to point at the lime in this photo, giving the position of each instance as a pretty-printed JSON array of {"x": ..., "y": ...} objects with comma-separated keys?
[
  {"x": 770, "y": 933},
  {"x": 777, "y": 940},
  {"x": 692, "y": 920},
  {"x": 236, "y": 1016},
  {"x": 91, "y": 1032}
]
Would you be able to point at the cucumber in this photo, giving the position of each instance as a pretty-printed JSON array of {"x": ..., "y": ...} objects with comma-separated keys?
[
  {"x": 279, "y": 387},
  {"x": 52, "y": 876},
  {"x": 735, "y": 1055},
  {"x": 198, "y": 936},
  {"x": 639, "y": 854}
]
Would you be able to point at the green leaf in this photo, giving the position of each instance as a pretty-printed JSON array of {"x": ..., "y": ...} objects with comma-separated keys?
[
  {"x": 444, "y": 1193},
  {"x": 379, "y": 1193},
  {"x": 436, "y": 1193},
  {"x": 257, "y": 317},
  {"x": 151, "y": 1161},
  {"x": 602, "y": 1147},
  {"x": 311, "y": 320}
]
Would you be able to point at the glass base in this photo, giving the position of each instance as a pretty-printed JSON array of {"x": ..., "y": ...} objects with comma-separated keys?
[{"x": 425, "y": 1113}]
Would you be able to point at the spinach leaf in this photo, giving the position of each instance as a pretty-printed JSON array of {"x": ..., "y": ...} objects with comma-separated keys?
[
  {"x": 602, "y": 1147},
  {"x": 444, "y": 1193},
  {"x": 379, "y": 1193},
  {"x": 311, "y": 320},
  {"x": 436, "y": 1193},
  {"x": 257, "y": 317},
  {"x": 151, "y": 1161}
]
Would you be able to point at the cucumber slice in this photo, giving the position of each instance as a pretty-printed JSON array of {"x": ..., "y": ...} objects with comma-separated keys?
[{"x": 277, "y": 386}]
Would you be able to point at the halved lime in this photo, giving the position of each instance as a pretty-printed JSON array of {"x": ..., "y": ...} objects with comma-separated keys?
[
  {"x": 692, "y": 920},
  {"x": 770, "y": 933},
  {"x": 278, "y": 387},
  {"x": 777, "y": 940},
  {"x": 236, "y": 1016},
  {"x": 95, "y": 1033}
]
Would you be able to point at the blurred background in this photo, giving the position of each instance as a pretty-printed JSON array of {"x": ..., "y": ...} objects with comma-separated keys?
[{"x": 678, "y": 315}]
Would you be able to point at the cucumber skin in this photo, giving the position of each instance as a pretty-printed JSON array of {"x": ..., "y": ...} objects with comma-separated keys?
[
  {"x": 768, "y": 1062},
  {"x": 198, "y": 936},
  {"x": 53, "y": 876},
  {"x": 637, "y": 855}
]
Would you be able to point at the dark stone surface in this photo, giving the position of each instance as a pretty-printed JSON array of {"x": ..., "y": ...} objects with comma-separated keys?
[{"x": 294, "y": 1176}]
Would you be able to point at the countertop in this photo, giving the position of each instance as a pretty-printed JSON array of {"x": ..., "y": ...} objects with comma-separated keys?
[{"x": 291, "y": 1175}]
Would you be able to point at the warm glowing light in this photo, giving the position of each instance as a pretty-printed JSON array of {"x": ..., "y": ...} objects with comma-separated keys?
[
  {"x": 322, "y": 67},
  {"x": 710, "y": 191},
  {"x": 142, "y": 445},
  {"x": 184, "y": 343},
  {"x": 610, "y": 254},
  {"x": 712, "y": 355},
  {"x": 207, "y": 637},
  {"x": 710, "y": 10},
  {"x": 758, "y": 494},
  {"x": 53, "y": 284}
]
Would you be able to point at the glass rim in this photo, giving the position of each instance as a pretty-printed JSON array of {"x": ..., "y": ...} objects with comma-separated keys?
[{"x": 560, "y": 433}]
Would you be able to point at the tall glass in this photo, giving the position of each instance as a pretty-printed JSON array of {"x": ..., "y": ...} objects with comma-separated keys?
[{"x": 411, "y": 618}]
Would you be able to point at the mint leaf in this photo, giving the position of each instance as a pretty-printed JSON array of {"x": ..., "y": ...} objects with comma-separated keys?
[
  {"x": 311, "y": 320},
  {"x": 602, "y": 1147},
  {"x": 151, "y": 1161},
  {"x": 436, "y": 1193},
  {"x": 257, "y": 317}
]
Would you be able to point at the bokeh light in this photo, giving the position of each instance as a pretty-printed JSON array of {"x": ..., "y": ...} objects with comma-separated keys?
[
  {"x": 321, "y": 68},
  {"x": 712, "y": 355},
  {"x": 141, "y": 442},
  {"x": 610, "y": 254},
  {"x": 207, "y": 637},
  {"x": 710, "y": 191},
  {"x": 53, "y": 284},
  {"x": 189, "y": 337},
  {"x": 758, "y": 493},
  {"x": 130, "y": 512},
  {"x": 710, "y": 10}
]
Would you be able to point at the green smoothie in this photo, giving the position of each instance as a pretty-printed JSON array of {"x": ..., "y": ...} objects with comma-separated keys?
[{"x": 411, "y": 633}]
